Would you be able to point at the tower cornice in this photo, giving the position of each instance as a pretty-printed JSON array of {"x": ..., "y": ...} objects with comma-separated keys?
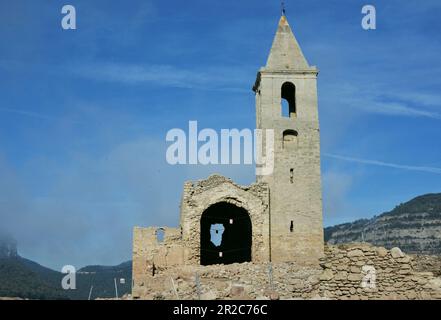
[{"x": 312, "y": 71}]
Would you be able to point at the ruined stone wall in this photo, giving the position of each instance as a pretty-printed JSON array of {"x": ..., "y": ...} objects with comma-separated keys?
[
  {"x": 181, "y": 246},
  {"x": 339, "y": 277},
  {"x": 429, "y": 263},
  {"x": 362, "y": 271},
  {"x": 234, "y": 281},
  {"x": 199, "y": 196},
  {"x": 149, "y": 254}
]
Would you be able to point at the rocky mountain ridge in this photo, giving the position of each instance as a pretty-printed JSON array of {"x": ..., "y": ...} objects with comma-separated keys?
[{"x": 414, "y": 226}]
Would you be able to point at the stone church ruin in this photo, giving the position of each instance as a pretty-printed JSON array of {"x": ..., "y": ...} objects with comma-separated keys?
[
  {"x": 276, "y": 219},
  {"x": 272, "y": 227}
]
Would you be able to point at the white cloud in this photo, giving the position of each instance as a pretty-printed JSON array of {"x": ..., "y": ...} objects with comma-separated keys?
[
  {"x": 399, "y": 109},
  {"x": 220, "y": 78},
  {"x": 36, "y": 115},
  {"x": 426, "y": 99},
  {"x": 368, "y": 100}
]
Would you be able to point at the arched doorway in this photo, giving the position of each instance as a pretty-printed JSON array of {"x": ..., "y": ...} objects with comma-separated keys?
[{"x": 226, "y": 234}]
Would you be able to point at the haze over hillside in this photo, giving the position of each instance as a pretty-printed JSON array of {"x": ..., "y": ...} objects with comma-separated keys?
[{"x": 20, "y": 277}]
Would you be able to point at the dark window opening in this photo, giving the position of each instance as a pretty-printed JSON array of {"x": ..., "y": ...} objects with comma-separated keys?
[
  {"x": 236, "y": 238},
  {"x": 288, "y": 95},
  {"x": 291, "y": 175},
  {"x": 289, "y": 138},
  {"x": 291, "y": 227}
]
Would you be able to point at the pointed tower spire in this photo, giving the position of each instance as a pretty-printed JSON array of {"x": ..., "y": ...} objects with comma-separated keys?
[{"x": 285, "y": 53}]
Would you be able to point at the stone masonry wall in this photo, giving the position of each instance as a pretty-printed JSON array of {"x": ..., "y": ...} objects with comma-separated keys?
[
  {"x": 234, "y": 281},
  {"x": 362, "y": 271},
  {"x": 181, "y": 246},
  {"x": 150, "y": 254},
  {"x": 339, "y": 277}
]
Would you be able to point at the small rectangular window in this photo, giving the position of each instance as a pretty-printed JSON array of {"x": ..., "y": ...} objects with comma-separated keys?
[
  {"x": 291, "y": 175},
  {"x": 291, "y": 227}
]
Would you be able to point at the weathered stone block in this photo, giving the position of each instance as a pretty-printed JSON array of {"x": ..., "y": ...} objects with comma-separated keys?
[
  {"x": 355, "y": 253},
  {"x": 382, "y": 252},
  {"x": 343, "y": 275},
  {"x": 326, "y": 275},
  {"x": 396, "y": 253},
  {"x": 354, "y": 277}
]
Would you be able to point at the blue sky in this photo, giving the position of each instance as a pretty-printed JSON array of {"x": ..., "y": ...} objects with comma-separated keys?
[{"x": 84, "y": 113}]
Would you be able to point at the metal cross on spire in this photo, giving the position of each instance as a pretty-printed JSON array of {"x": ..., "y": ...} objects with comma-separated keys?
[{"x": 282, "y": 5}]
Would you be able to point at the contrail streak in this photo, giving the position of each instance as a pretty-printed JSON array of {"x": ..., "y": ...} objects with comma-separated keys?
[{"x": 384, "y": 164}]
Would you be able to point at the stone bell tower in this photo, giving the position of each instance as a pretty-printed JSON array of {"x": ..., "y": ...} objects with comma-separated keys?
[{"x": 286, "y": 101}]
